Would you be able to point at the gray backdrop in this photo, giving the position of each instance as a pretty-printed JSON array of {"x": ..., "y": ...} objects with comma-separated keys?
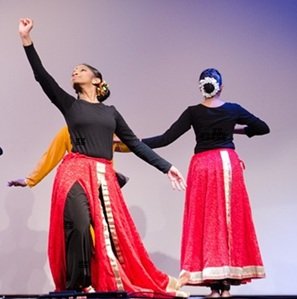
[{"x": 151, "y": 52}]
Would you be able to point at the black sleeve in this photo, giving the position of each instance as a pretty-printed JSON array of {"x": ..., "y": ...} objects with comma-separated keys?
[
  {"x": 178, "y": 128},
  {"x": 254, "y": 125},
  {"x": 137, "y": 147},
  {"x": 55, "y": 93}
]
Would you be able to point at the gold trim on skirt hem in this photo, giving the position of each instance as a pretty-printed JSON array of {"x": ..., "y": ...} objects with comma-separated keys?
[{"x": 225, "y": 272}]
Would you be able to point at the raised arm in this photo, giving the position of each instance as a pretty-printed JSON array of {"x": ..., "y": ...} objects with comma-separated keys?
[{"x": 54, "y": 92}]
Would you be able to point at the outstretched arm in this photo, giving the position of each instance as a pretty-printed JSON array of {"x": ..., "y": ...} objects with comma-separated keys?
[
  {"x": 177, "y": 180},
  {"x": 147, "y": 154},
  {"x": 48, "y": 161},
  {"x": 178, "y": 128},
  {"x": 54, "y": 92}
]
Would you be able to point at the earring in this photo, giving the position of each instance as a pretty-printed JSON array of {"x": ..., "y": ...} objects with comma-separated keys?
[{"x": 95, "y": 82}]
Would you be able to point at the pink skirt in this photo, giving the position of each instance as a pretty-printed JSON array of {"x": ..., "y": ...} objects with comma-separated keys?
[{"x": 219, "y": 239}]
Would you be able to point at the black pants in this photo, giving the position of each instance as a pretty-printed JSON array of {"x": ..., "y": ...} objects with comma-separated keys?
[
  {"x": 78, "y": 239},
  {"x": 221, "y": 285}
]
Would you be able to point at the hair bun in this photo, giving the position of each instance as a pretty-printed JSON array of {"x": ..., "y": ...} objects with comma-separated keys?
[
  {"x": 208, "y": 87},
  {"x": 103, "y": 91}
]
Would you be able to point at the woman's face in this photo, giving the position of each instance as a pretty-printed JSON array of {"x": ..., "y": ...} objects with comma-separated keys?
[{"x": 83, "y": 75}]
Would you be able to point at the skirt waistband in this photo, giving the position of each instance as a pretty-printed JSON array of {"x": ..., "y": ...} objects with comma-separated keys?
[{"x": 82, "y": 156}]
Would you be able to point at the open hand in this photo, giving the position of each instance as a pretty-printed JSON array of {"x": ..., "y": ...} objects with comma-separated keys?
[{"x": 177, "y": 180}]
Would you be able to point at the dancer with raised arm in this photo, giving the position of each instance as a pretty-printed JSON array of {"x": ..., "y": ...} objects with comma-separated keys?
[{"x": 86, "y": 191}]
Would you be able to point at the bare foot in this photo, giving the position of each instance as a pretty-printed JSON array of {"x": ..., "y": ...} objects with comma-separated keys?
[
  {"x": 225, "y": 294},
  {"x": 214, "y": 294},
  {"x": 89, "y": 289},
  {"x": 183, "y": 280}
]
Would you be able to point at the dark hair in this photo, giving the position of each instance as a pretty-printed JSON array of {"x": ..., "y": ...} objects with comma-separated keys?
[
  {"x": 103, "y": 91},
  {"x": 212, "y": 73},
  {"x": 208, "y": 88}
]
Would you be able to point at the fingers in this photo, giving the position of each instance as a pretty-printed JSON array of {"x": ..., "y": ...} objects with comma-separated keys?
[
  {"x": 177, "y": 180},
  {"x": 178, "y": 184},
  {"x": 26, "y": 21},
  {"x": 12, "y": 183},
  {"x": 173, "y": 185},
  {"x": 17, "y": 183},
  {"x": 182, "y": 184},
  {"x": 25, "y": 24}
]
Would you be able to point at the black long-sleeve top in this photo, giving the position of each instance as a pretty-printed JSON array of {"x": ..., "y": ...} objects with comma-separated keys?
[
  {"x": 213, "y": 127},
  {"x": 91, "y": 125}
]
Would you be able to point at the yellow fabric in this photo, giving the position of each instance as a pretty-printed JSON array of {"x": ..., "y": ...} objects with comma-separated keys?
[
  {"x": 51, "y": 157},
  {"x": 92, "y": 232},
  {"x": 120, "y": 147},
  {"x": 55, "y": 153}
]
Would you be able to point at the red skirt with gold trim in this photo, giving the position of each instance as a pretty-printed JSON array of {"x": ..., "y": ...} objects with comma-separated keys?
[
  {"x": 219, "y": 239},
  {"x": 130, "y": 267}
]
